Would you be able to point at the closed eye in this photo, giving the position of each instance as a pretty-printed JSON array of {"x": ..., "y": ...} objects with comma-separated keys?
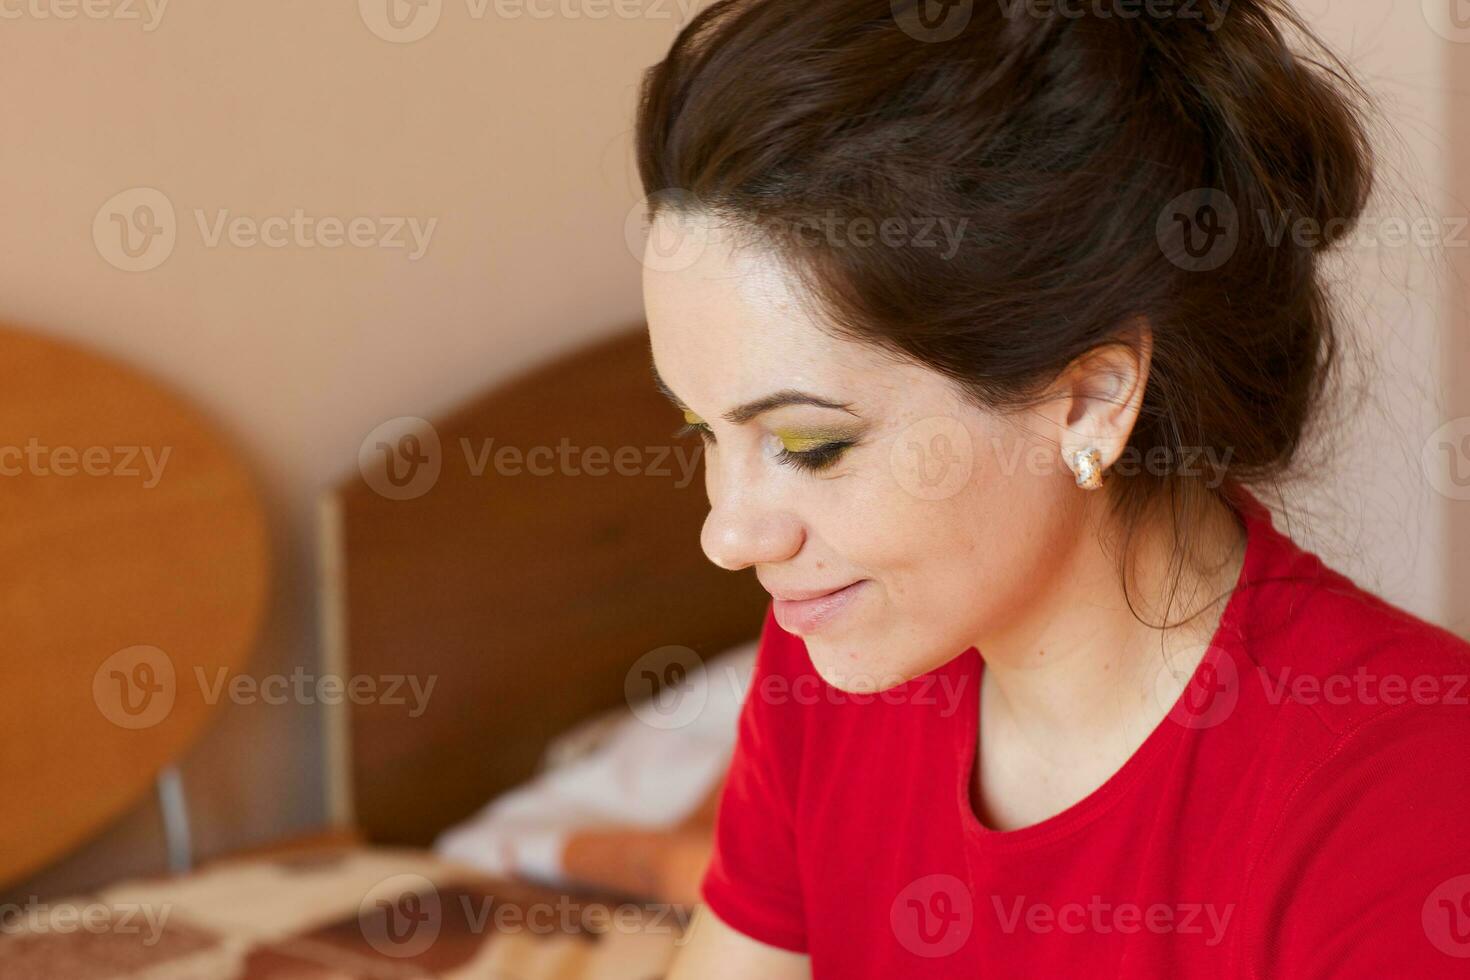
[{"x": 809, "y": 460}]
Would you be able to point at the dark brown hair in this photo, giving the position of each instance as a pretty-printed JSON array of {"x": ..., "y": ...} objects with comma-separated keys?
[{"x": 1089, "y": 150}]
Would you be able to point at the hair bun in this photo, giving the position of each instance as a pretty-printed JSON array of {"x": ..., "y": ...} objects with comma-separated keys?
[{"x": 1287, "y": 131}]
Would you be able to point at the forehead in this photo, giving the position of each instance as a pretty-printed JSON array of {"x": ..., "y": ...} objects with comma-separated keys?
[{"x": 728, "y": 324}]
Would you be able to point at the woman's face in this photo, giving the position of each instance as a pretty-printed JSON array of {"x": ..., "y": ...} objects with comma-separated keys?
[{"x": 951, "y": 519}]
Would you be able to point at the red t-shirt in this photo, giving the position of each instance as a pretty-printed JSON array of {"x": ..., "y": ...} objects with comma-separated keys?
[{"x": 1303, "y": 811}]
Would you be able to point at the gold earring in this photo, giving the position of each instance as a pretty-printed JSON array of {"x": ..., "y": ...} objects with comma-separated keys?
[{"x": 1087, "y": 464}]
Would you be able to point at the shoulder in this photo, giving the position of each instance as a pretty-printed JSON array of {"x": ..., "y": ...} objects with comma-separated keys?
[
  {"x": 1366, "y": 854},
  {"x": 1338, "y": 658},
  {"x": 1370, "y": 709}
]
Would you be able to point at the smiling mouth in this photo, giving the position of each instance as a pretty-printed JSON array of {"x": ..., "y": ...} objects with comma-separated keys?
[
  {"x": 805, "y": 595},
  {"x": 808, "y": 615}
]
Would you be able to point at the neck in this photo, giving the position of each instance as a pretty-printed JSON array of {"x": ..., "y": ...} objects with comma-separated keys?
[{"x": 1078, "y": 668}]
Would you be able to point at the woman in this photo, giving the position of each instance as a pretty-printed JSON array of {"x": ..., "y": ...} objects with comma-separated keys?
[{"x": 980, "y": 314}]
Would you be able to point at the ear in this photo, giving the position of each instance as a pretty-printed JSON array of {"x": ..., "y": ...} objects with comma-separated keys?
[{"x": 1097, "y": 398}]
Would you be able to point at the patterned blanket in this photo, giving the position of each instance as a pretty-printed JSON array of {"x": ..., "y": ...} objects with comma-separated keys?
[{"x": 360, "y": 912}]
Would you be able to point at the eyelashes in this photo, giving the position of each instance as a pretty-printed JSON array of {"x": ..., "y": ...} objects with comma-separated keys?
[{"x": 808, "y": 460}]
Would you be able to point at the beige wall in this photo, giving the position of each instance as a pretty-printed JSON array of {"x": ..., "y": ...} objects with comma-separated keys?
[
  {"x": 1374, "y": 507},
  {"x": 512, "y": 134},
  {"x": 1456, "y": 346}
]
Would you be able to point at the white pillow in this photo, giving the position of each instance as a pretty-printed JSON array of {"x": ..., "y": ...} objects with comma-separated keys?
[{"x": 614, "y": 769}]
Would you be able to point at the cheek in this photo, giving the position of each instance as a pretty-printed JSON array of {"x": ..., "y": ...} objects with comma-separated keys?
[
  {"x": 961, "y": 497},
  {"x": 956, "y": 562},
  {"x": 922, "y": 505},
  {"x": 953, "y": 561}
]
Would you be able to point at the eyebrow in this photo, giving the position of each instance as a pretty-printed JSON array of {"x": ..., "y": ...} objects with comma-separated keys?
[{"x": 744, "y": 413}]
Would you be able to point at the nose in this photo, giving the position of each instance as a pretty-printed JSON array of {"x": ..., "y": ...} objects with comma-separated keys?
[
  {"x": 744, "y": 528},
  {"x": 735, "y": 541}
]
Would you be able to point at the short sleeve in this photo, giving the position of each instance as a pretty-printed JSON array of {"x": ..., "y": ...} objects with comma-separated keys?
[
  {"x": 1368, "y": 875},
  {"x": 752, "y": 882}
]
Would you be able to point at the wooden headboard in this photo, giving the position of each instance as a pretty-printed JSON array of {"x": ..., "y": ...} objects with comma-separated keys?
[
  {"x": 136, "y": 561},
  {"x": 556, "y": 543}
]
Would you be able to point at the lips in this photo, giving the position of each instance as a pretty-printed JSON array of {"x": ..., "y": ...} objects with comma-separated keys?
[
  {"x": 802, "y": 595},
  {"x": 804, "y": 612}
]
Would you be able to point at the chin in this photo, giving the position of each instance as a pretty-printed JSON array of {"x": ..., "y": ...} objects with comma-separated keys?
[
  {"x": 847, "y": 662},
  {"x": 842, "y": 663}
]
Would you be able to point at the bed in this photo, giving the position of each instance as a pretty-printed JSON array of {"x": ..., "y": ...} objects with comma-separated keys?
[{"x": 528, "y": 600}]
